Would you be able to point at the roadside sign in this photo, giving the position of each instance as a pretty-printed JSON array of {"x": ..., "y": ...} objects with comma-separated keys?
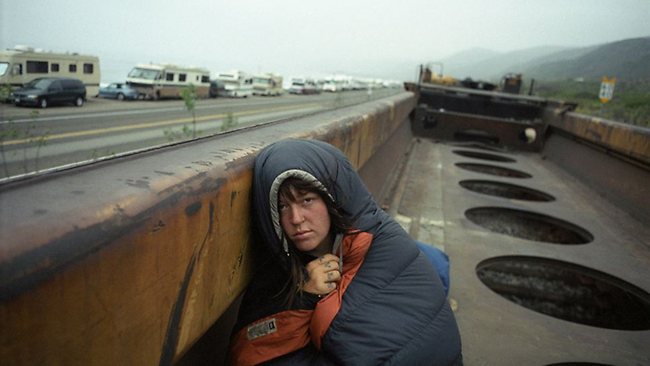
[{"x": 606, "y": 89}]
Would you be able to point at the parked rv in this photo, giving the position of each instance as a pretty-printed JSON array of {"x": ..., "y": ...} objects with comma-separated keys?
[
  {"x": 155, "y": 81},
  {"x": 236, "y": 84},
  {"x": 20, "y": 65},
  {"x": 267, "y": 84}
]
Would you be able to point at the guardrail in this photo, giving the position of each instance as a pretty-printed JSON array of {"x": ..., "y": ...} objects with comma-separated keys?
[{"x": 131, "y": 260}]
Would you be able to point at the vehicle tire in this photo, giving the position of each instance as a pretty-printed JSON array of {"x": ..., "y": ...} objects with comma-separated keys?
[
  {"x": 120, "y": 96},
  {"x": 79, "y": 101},
  {"x": 42, "y": 103}
]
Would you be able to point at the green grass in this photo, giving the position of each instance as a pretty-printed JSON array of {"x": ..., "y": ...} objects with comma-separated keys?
[{"x": 630, "y": 103}]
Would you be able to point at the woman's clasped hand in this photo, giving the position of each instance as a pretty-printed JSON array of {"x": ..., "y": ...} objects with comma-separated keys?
[{"x": 323, "y": 275}]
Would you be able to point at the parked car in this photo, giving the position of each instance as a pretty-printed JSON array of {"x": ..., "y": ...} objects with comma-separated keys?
[
  {"x": 331, "y": 86},
  {"x": 119, "y": 91},
  {"x": 43, "y": 92},
  {"x": 303, "y": 86}
]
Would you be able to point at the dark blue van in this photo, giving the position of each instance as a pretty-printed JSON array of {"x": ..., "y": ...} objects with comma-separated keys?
[{"x": 43, "y": 92}]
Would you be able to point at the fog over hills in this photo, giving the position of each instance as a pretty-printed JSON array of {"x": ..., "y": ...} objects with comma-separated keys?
[
  {"x": 627, "y": 60},
  {"x": 488, "y": 64}
]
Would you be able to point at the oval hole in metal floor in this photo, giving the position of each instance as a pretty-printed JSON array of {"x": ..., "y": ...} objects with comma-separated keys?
[
  {"x": 477, "y": 136},
  {"x": 528, "y": 225},
  {"x": 476, "y": 145},
  {"x": 493, "y": 170},
  {"x": 567, "y": 291},
  {"x": 484, "y": 156},
  {"x": 505, "y": 190}
]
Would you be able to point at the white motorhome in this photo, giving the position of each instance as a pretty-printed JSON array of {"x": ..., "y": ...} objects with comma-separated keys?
[
  {"x": 267, "y": 84},
  {"x": 155, "y": 81},
  {"x": 22, "y": 64},
  {"x": 331, "y": 85},
  {"x": 304, "y": 86},
  {"x": 235, "y": 84}
]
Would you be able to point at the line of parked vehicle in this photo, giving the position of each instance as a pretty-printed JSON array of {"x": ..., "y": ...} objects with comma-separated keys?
[
  {"x": 335, "y": 84},
  {"x": 237, "y": 84},
  {"x": 37, "y": 78},
  {"x": 44, "y": 92}
]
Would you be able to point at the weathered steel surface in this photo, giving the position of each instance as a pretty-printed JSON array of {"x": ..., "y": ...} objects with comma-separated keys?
[
  {"x": 497, "y": 119},
  {"x": 496, "y": 331},
  {"x": 461, "y": 127},
  {"x": 129, "y": 261},
  {"x": 598, "y": 174},
  {"x": 480, "y": 102},
  {"x": 628, "y": 185},
  {"x": 627, "y": 140},
  {"x": 426, "y": 87}
]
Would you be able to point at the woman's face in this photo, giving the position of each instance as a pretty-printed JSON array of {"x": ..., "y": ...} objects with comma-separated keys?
[{"x": 306, "y": 222}]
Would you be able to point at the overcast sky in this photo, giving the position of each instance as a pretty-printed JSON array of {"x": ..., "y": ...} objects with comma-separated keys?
[{"x": 380, "y": 38}]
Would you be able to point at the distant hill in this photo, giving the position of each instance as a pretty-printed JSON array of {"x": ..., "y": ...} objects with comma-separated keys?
[
  {"x": 468, "y": 58},
  {"x": 627, "y": 60},
  {"x": 494, "y": 66}
]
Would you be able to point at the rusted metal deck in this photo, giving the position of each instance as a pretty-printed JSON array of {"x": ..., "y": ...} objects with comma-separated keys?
[
  {"x": 559, "y": 263},
  {"x": 544, "y": 214}
]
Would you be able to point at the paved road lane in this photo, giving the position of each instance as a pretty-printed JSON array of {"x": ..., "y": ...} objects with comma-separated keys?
[{"x": 36, "y": 139}]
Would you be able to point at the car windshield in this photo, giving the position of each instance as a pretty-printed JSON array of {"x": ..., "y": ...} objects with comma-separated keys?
[
  {"x": 262, "y": 81},
  {"x": 38, "y": 84},
  {"x": 141, "y": 73},
  {"x": 4, "y": 66}
]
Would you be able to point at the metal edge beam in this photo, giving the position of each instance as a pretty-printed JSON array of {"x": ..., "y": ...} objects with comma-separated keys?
[{"x": 628, "y": 140}]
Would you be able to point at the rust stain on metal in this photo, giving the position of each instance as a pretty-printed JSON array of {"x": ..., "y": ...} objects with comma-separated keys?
[
  {"x": 158, "y": 226},
  {"x": 192, "y": 209},
  {"x": 233, "y": 195}
]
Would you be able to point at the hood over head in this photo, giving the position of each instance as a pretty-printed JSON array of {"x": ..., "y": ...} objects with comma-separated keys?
[{"x": 325, "y": 167}]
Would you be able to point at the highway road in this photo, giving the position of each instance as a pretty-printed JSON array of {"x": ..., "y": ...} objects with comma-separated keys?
[{"x": 35, "y": 140}]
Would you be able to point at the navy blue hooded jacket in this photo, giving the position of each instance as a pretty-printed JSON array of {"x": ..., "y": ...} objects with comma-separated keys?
[{"x": 393, "y": 312}]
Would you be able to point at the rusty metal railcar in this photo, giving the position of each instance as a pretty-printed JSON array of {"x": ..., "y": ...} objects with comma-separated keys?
[{"x": 140, "y": 259}]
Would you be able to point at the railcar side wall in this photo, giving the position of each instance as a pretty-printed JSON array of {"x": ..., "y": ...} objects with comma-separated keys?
[{"x": 131, "y": 260}]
